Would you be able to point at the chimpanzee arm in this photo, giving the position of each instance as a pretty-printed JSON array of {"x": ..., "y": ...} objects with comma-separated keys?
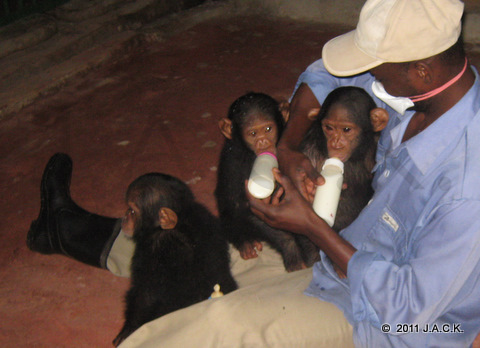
[{"x": 234, "y": 170}]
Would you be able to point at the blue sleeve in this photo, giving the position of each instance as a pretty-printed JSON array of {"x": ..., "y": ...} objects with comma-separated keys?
[
  {"x": 443, "y": 272},
  {"x": 321, "y": 82}
]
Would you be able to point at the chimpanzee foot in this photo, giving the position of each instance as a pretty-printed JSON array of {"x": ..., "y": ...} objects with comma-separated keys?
[{"x": 54, "y": 193}]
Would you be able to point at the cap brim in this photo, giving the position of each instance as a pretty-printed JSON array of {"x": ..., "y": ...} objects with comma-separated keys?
[{"x": 342, "y": 57}]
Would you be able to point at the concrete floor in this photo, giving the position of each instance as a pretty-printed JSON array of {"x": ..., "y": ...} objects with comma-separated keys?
[{"x": 155, "y": 110}]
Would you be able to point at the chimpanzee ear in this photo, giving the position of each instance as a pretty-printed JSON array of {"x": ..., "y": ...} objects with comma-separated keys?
[
  {"x": 226, "y": 127},
  {"x": 284, "y": 107},
  {"x": 379, "y": 119},
  {"x": 168, "y": 218},
  {"x": 313, "y": 114}
]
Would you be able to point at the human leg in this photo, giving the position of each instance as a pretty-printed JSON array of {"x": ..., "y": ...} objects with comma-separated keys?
[
  {"x": 62, "y": 227},
  {"x": 271, "y": 313},
  {"x": 268, "y": 264}
]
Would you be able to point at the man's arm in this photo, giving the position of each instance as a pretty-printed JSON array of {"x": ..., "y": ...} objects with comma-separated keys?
[
  {"x": 446, "y": 261},
  {"x": 293, "y": 163}
]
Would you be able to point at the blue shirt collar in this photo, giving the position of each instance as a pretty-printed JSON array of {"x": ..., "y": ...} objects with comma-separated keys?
[{"x": 425, "y": 147}]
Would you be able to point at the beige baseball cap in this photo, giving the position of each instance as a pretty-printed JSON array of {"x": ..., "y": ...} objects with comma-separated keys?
[{"x": 394, "y": 31}]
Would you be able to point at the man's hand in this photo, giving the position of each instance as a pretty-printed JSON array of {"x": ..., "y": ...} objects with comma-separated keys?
[
  {"x": 299, "y": 169},
  {"x": 286, "y": 209}
]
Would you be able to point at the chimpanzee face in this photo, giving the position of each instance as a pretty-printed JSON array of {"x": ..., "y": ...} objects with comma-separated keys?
[
  {"x": 260, "y": 133},
  {"x": 342, "y": 134},
  {"x": 132, "y": 215}
]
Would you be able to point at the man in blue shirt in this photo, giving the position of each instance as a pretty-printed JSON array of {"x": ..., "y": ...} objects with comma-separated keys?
[{"x": 412, "y": 257}]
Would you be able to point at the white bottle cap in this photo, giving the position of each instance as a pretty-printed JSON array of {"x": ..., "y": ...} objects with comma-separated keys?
[
  {"x": 333, "y": 161},
  {"x": 261, "y": 182},
  {"x": 261, "y": 188}
]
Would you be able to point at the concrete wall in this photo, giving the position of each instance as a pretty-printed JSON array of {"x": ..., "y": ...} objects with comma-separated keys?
[
  {"x": 40, "y": 54},
  {"x": 341, "y": 12}
]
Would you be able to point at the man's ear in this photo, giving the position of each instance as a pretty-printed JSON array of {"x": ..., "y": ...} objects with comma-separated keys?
[
  {"x": 168, "y": 218},
  {"x": 226, "y": 127},
  {"x": 423, "y": 70},
  {"x": 379, "y": 119}
]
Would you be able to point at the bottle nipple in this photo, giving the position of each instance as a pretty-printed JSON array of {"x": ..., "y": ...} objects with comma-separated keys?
[{"x": 216, "y": 292}]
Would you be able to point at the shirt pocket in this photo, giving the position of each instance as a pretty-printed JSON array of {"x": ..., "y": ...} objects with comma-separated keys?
[{"x": 388, "y": 237}]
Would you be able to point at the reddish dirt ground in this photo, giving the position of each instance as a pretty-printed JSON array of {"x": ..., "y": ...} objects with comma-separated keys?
[{"x": 156, "y": 110}]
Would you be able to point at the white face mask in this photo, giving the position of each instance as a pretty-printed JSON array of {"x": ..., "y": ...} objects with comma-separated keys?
[{"x": 399, "y": 104}]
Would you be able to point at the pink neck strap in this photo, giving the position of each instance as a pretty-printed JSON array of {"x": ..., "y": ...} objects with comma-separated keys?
[{"x": 441, "y": 88}]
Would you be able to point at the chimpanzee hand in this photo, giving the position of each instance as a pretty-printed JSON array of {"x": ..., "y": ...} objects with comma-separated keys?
[{"x": 287, "y": 209}]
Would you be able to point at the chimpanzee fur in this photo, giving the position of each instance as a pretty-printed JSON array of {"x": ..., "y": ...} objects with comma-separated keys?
[{"x": 174, "y": 268}]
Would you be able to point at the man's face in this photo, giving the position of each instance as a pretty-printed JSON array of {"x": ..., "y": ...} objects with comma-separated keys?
[{"x": 395, "y": 78}]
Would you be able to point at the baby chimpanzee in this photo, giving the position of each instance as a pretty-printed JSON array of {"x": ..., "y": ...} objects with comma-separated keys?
[
  {"x": 180, "y": 254},
  {"x": 347, "y": 127},
  {"x": 253, "y": 126}
]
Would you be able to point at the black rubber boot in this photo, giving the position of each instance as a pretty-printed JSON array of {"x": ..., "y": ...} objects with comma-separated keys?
[{"x": 62, "y": 227}]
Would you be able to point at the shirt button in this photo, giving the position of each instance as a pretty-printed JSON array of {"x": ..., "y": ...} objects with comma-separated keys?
[{"x": 386, "y": 173}]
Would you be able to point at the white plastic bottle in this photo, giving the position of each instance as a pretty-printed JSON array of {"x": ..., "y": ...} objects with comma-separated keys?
[
  {"x": 326, "y": 199},
  {"x": 261, "y": 182}
]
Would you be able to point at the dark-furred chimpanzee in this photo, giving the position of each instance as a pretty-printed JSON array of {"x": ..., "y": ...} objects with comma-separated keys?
[
  {"x": 254, "y": 125},
  {"x": 180, "y": 254},
  {"x": 347, "y": 127}
]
